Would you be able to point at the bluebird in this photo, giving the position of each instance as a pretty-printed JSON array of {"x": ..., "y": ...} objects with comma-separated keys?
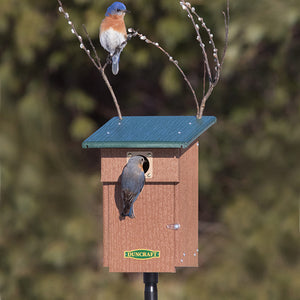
[
  {"x": 132, "y": 183},
  {"x": 113, "y": 34}
]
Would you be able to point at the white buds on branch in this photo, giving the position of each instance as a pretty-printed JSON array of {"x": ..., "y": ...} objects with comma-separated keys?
[
  {"x": 135, "y": 33},
  {"x": 213, "y": 77},
  {"x": 96, "y": 61},
  {"x": 213, "y": 73}
]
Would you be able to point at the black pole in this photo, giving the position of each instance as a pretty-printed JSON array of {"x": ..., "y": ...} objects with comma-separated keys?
[{"x": 150, "y": 280}]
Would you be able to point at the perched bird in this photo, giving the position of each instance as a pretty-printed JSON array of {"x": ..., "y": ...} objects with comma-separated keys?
[
  {"x": 113, "y": 34},
  {"x": 132, "y": 183}
]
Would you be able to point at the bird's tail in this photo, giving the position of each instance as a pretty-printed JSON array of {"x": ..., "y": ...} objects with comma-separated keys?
[
  {"x": 126, "y": 210},
  {"x": 115, "y": 63},
  {"x": 128, "y": 204}
]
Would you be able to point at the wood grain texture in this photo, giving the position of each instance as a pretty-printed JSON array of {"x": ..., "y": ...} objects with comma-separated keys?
[
  {"x": 186, "y": 209},
  {"x": 105, "y": 224},
  {"x": 153, "y": 210},
  {"x": 165, "y": 164},
  {"x": 169, "y": 197}
]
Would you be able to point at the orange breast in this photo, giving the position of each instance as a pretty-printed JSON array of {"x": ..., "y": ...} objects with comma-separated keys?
[
  {"x": 141, "y": 167},
  {"x": 114, "y": 21}
]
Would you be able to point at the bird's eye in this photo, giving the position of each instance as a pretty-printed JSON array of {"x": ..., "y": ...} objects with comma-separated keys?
[{"x": 118, "y": 10}]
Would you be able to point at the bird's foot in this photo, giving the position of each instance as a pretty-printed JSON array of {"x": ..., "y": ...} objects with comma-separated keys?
[{"x": 109, "y": 59}]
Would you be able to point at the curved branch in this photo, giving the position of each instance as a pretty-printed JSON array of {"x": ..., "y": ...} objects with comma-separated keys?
[
  {"x": 97, "y": 62},
  {"x": 142, "y": 37}
]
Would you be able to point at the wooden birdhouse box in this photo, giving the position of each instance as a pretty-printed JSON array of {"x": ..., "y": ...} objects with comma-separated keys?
[{"x": 164, "y": 233}]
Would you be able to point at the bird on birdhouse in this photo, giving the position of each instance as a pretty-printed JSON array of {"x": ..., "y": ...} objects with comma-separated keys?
[
  {"x": 113, "y": 33},
  {"x": 132, "y": 183}
]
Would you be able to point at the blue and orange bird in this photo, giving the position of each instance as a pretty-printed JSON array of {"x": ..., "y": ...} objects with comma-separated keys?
[
  {"x": 113, "y": 34},
  {"x": 132, "y": 183}
]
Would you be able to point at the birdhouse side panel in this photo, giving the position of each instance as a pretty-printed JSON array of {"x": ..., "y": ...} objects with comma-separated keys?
[
  {"x": 105, "y": 225},
  {"x": 186, "y": 209}
]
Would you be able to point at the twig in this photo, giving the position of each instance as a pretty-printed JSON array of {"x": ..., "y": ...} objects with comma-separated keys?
[
  {"x": 204, "y": 76},
  {"x": 213, "y": 79},
  {"x": 134, "y": 33},
  {"x": 97, "y": 62},
  {"x": 226, "y": 22},
  {"x": 92, "y": 45},
  {"x": 102, "y": 69},
  {"x": 213, "y": 76}
]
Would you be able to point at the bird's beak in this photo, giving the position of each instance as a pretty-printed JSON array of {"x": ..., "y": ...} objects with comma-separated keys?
[{"x": 126, "y": 11}]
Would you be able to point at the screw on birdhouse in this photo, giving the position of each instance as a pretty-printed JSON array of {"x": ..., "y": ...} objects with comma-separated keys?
[
  {"x": 181, "y": 260},
  {"x": 195, "y": 254},
  {"x": 173, "y": 226},
  {"x": 149, "y": 175},
  {"x": 129, "y": 154},
  {"x": 183, "y": 254},
  {"x": 149, "y": 154}
]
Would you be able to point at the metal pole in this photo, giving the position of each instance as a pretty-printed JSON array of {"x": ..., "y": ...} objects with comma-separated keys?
[{"x": 150, "y": 280}]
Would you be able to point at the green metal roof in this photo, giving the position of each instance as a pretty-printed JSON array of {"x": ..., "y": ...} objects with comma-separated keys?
[{"x": 149, "y": 132}]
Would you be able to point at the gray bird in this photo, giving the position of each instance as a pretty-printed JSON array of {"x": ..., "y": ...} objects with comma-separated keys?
[{"x": 132, "y": 183}]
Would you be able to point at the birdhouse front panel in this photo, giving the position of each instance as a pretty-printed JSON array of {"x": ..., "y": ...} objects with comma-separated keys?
[
  {"x": 164, "y": 165},
  {"x": 160, "y": 232},
  {"x": 148, "y": 232},
  {"x": 142, "y": 244}
]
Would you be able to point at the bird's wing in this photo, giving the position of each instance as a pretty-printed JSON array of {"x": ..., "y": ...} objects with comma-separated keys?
[{"x": 131, "y": 185}]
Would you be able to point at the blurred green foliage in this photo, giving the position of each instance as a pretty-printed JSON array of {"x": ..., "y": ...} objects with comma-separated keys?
[{"x": 51, "y": 98}]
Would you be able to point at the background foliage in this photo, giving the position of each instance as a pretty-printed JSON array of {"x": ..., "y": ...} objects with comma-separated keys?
[{"x": 51, "y": 98}]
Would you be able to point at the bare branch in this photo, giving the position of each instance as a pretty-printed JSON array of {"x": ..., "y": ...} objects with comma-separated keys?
[
  {"x": 204, "y": 76},
  {"x": 134, "y": 33},
  {"x": 92, "y": 45},
  {"x": 213, "y": 74},
  {"x": 226, "y": 21},
  {"x": 213, "y": 79},
  {"x": 97, "y": 62}
]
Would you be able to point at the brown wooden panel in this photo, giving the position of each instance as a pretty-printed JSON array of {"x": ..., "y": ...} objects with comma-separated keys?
[
  {"x": 165, "y": 164},
  {"x": 186, "y": 209},
  {"x": 105, "y": 225},
  {"x": 154, "y": 209}
]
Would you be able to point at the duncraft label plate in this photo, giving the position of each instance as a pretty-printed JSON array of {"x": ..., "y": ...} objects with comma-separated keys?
[{"x": 142, "y": 254}]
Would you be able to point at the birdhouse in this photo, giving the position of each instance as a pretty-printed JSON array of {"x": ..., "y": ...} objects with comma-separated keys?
[{"x": 164, "y": 233}]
